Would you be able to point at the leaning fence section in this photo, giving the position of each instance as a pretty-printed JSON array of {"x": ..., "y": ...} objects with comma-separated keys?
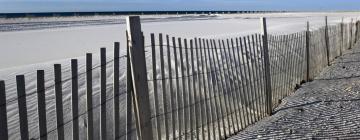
[
  {"x": 175, "y": 88},
  {"x": 205, "y": 88},
  {"x": 288, "y": 63}
]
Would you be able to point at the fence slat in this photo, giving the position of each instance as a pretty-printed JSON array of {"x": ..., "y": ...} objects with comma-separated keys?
[
  {"x": 163, "y": 84},
  {"x": 198, "y": 113},
  {"x": 116, "y": 91},
  {"x": 178, "y": 99},
  {"x": 20, "y": 82},
  {"x": 59, "y": 102},
  {"x": 89, "y": 100},
  {"x": 3, "y": 112},
  {"x": 103, "y": 93},
  {"x": 41, "y": 104},
  {"x": 193, "y": 101},
  {"x": 75, "y": 98},
  {"x": 155, "y": 88},
  {"x": 182, "y": 71},
  {"x": 171, "y": 91},
  {"x": 189, "y": 113},
  {"x": 206, "y": 91}
]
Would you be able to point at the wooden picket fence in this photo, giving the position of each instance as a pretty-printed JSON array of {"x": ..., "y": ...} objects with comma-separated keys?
[{"x": 180, "y": 88}]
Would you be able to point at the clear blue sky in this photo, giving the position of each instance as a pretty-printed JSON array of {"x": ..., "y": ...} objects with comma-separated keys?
[{"x": 10, "y": 6}]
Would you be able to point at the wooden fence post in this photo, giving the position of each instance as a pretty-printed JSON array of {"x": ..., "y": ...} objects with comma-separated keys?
[
  {"x": 89, "y": 101},
  {"x": 139, "y": 77},
  {"x": 327, "y": 41},
  {"x": 3, "y": 112},
  {"x": 75, "y": 98},
  {"x": 59, "y": 102},
  {"x": 307, "y": 51},
  {"x": 129, "y": 92},
  {"x": 267, "y": 67},
  {"x": 41, "y": 104},
  {"x": 24, "y": 131}
]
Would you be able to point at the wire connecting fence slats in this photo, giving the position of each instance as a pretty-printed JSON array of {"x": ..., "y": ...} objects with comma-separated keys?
[{"x": 176, "y": 88}]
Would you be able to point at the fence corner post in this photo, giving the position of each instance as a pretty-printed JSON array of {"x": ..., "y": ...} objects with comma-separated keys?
[
  {"x": 139, "y": 78},
  {"x": 267, "y": 66},
  {"x": 327, "y": 41}
]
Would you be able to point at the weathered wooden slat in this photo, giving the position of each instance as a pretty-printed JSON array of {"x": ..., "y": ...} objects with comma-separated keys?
[
  {"x": 182, "y": 73},
  {"x": 103, "y": 94},
  {"x": 89, "y": 92},
  {"x": 178, "y": 95},
  {"x": 163, "y": 84},
  {"x": 205, "y": 70},
  {"x": 3, "y": 113},
  {"x": 189, "y": 91},
  {"x": 59, "y": 102},
  {"x": 156, "y": 93},
  {"x": 21, "y": 93},
  {"x": 208, "y": 93},
  {"x": 193, "y": 98},
  {"x": 198, "y": 112},
  {"x": 41, "y": 104},
  {"x": 171, "y": 91},
  {"x": 75, "y": 99},
  {"x": 116, "y": 85}
]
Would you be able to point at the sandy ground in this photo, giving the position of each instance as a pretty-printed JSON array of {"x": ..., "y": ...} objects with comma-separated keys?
[
  {"x": 326, "y": 108},
  {"x": 70, "y": 37}
]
